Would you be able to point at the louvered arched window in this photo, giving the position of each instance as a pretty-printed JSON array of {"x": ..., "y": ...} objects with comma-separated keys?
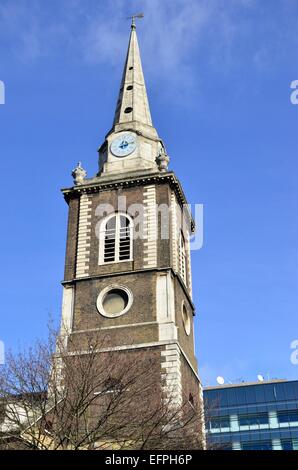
[{"x": 116, "y": 239}]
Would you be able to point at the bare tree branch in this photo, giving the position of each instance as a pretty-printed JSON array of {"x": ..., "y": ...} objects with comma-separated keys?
[{"x": 55, "y": 397}]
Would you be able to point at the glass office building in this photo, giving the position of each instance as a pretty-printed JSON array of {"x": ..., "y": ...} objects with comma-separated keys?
[{"x": 253, "y": 416}]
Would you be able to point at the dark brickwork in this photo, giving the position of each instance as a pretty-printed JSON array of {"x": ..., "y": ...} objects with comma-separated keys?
[
  {"x": 163, "y": 198},
  {"x": 140, "y": 325},
  {"x": 72, "y": 239},
  {"x": 142, "y": 310},
  {"x": 186, "y": 342},
  {"x": 110, "y": 198},
  {"x": 190, "y": 381}
]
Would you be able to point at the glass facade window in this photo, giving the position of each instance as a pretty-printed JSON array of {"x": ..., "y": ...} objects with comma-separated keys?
[
  {"x": 253, "y": 420},
  {"x": 261, "y": 445},
  {"x": 287, "y": 444},
  {"x": 287, "y": 416},
  {"x": 257, "y": 416},
  {"x": 219, "y": 423}
]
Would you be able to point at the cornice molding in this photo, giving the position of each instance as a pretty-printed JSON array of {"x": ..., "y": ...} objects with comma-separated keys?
[
  {"x": 71, "y": 282},
  {"x": 105, "y": 184}
]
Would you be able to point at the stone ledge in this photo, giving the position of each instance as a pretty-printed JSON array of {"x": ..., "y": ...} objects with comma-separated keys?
[{"x": 139, "y": 179}]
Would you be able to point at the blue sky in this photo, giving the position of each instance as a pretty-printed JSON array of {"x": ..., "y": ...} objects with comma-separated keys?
[{"x": 218, "y": 74}]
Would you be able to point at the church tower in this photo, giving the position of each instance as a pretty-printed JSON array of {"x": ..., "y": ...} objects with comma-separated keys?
[{"x": 127, "y": 269}]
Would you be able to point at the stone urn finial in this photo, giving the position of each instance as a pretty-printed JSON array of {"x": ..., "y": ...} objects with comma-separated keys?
[
  {"x": 79, "y": 174},
  {"x": 162, "y": 160}
]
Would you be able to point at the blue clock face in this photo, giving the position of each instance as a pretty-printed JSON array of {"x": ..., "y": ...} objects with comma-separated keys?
[{"x": 124, "y": 145}]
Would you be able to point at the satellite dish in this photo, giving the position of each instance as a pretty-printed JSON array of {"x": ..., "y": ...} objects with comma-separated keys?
[
  {"x": 220, "y": 380},
  {"x": 260, "y": 378}
]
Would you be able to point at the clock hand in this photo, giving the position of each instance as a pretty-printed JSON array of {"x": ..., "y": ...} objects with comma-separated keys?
[{"x": 123, "y": 144}]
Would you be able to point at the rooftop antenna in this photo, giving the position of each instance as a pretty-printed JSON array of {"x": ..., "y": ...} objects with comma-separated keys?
[
  {"x": 260, "y": 378},
  {"x": 220, "y": 380},
  {"x": 133, "y": 17},
  {"x": 268, "y": 376},
  {"x": 237, "y": 380}
]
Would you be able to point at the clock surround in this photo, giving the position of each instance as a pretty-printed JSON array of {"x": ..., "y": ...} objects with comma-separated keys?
[{"x": 123, "y": 145}]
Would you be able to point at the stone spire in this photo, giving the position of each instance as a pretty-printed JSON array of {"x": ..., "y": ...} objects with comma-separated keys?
[
  {"x": 132, "y": 105},
  {"x": 132, "y": 144}
]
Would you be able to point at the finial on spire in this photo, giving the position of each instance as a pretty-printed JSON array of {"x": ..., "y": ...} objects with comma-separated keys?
[
  {"x": 133, "y": 18},
  {"x": 162, "y": 159}
]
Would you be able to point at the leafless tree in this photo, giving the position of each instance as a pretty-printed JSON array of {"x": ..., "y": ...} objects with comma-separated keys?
[{"x": 51, "y": 397}]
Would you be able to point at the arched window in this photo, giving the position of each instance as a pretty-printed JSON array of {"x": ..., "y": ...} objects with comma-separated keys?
[
  {"x": 182, "y": 257},
  {"x": 116, "y": 239}
]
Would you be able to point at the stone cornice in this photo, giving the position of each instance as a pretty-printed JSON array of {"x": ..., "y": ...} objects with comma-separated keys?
[
  {"x": 103, "y": 183},
  {"x": 127, "y": 347},
  {"x": 70, "y": 282}
]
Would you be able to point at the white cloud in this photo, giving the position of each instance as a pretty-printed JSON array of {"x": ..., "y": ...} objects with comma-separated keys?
[
  {"x": 174, "y": 35},
  {"x": 169, "y": 33}
]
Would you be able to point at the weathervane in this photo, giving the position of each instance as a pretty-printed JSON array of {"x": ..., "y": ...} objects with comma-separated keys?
[{"x": 133, "y": 17}]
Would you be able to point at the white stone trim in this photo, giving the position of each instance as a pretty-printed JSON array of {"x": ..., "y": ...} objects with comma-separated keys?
[
  {"x": 188, "y": 265},
  {"x": 84, "y": 235},
  {"x": 116, "y": 348},
  {"x": 103, "y": 293},
  {"x": 129, "y": 325},
  {"x": 171, "y": 374},
  {"x": 67, "y": 313},
  {"x": 175, "y": 232},
  {"x": 168, "y": 331},
  {"x": 165, "y": 307},
  {"x": 165, "y": 302},
  {"x": 168, "y": 345},
  {"x": 167, "y": 352},
  {"x": 150, "y": 227},
  {"x": 188, "y": 321},
  {"x": 102, "y": 237},
  {"x": 115, "y": 326},
  {"x": 182, "y": 258},
  {"x": 173, "y": 345}
]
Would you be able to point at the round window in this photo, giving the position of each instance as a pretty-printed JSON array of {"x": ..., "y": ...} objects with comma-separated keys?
[
  {"x": 186, "y": 319},
  {"x": 114, "y": 301}
]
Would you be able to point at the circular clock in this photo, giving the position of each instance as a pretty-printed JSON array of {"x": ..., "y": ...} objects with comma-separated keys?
[{"x": 124, "y": 145}]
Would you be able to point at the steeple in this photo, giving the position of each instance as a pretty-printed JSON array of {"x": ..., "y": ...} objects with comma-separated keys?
[
  {"x": 132, "y": 105},
  {"x": 127, "y": 283},
  {"x": 133, "y": 143}
]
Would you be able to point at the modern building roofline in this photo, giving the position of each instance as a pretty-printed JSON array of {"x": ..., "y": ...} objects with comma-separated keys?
[{"x": 247, "y": 384}]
